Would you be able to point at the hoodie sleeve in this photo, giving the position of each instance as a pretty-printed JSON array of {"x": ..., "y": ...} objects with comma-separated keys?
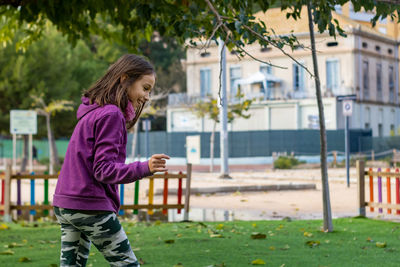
[{"x": 109, "y": 134}]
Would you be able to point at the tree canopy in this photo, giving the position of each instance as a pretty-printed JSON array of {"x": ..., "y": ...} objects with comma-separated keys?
[{"x": 130, "y": 22}]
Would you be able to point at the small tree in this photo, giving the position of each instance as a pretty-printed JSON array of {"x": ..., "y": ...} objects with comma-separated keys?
[
  {"x": 210, "y": 109},
  {"x": 47, "y": 111}
]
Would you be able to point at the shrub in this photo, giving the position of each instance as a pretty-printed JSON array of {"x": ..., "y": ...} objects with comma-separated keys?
[{"x": 286, "y": 162}]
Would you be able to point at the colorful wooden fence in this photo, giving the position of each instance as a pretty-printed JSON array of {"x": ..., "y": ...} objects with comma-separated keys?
[
  {"x": 6, "y": 205},
  {"x": 378, "y": 186}
]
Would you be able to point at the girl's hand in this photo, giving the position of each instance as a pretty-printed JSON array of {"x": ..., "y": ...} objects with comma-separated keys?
[{"x": 157, "y": 163}]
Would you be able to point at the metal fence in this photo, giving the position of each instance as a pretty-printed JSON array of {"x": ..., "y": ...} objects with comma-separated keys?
[
  {"x": 241, "y": 144},
  {"x": 250, "y": 143}
]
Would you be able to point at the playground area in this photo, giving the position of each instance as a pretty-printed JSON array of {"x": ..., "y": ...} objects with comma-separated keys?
[{"x": 294, "y": 193}]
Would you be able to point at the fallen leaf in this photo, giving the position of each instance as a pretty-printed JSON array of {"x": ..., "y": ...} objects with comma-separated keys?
[
  {"x": 307, "y": 234},
  {"x": 4, "y": 226},
  {"x": 258, "y": 236},
  {"x": 220, "y": 226},
  {"x": 7, "y": 252},
  {"x": 216, "y": 236},
  {"x": 53, "y": 265},
  {"x": 141, "y": 261},
  {"x": 286, "y": 247},
  {"x": 243, "y": 200},
  {"x": 136, "y": 249},
  {"x": 380, "y": 244},
  {"x": 169, "y": 241},
  {"x": 313, "y": 243},
  {"x": 254, "y": 225},
  {"x": 369, "y": 239},
  {"x": 237, "y": 193},
  {"x": 202, "y": 224},
  {"x": 258, "y": 262},
  {"x": 24, "y": 259},
  {"x": 272, "y": 248},
  {"x": 178, "y": 265}
]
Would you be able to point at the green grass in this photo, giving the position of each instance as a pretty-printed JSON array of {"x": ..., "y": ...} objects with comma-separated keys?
[{"x": 353, "y": 243}]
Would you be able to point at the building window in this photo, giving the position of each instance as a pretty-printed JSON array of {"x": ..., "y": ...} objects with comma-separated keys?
[
  {"x": 377, "y": 48},
  {"x": 379, "y": 81},
  {"x": 205, "y": 54},
  {"x": 205, "y": 82},
  {"x": 380, "y": 129},
  {"x": 265, "y": 49},
  {"x": 266, "y": 69},
  {"x": 391, "y": 84},
  {"x": 332, "y": 76},
  {"x": 366, "y": 126},
  {"x": 390, "y": 51},
  {"x": 365, "y": 74},
  {"x": 234, "y": 74},
  {"x": 298, "y": 78},
  {"x": 364, "y": 45},
  {"x": 392, "y": 131}
]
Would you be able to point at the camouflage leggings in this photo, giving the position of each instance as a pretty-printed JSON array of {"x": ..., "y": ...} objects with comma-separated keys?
[{"x": 78, "y": 230}]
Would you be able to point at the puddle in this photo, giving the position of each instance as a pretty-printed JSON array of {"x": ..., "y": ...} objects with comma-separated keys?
[{"x": 219, "y": 215}]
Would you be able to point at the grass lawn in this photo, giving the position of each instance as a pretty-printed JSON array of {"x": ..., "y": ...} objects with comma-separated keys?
[{"x": 354, "y": 242}]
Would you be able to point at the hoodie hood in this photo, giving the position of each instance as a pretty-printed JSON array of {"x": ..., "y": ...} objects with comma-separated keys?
[{"x": 85, "y": 107}]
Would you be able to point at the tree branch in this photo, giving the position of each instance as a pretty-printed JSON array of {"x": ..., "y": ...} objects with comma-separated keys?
[{"x": 281, "y": 49}]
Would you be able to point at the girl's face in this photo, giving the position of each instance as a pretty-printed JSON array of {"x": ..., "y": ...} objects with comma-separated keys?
[{"x": 139, "y": 91}]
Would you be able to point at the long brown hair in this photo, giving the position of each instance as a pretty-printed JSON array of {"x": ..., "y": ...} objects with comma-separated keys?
[{"x": 110, "y": 90}]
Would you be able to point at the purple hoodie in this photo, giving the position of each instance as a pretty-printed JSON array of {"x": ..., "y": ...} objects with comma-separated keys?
[{"x": 94, "y": 164}]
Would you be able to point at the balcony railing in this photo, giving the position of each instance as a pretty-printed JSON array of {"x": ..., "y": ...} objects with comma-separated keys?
[{"x": 183, "y": 99}]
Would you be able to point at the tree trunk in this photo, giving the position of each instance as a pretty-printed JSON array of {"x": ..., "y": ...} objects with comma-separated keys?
[
  {"x": 212, "y": 138},
  {"x": 25, "y": 154},
  {"x": 53, "y": 154},
  {"x": 324, "y": 170}
]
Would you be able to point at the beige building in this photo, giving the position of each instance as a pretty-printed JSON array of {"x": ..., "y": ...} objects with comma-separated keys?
[{"x": 364, "y": 64}]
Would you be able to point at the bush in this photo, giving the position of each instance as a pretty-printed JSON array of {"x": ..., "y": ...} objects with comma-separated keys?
[{"x": 286, "y": 162}]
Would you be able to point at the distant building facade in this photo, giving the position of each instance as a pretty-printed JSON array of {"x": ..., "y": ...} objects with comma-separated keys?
[{"x": 364, "y": 64}]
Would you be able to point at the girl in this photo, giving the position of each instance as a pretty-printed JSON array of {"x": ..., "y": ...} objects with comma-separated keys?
[{"x": 86, "y": 198}]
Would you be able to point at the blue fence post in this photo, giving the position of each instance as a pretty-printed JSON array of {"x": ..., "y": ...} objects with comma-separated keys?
[{"x": 121, "y": 197}]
